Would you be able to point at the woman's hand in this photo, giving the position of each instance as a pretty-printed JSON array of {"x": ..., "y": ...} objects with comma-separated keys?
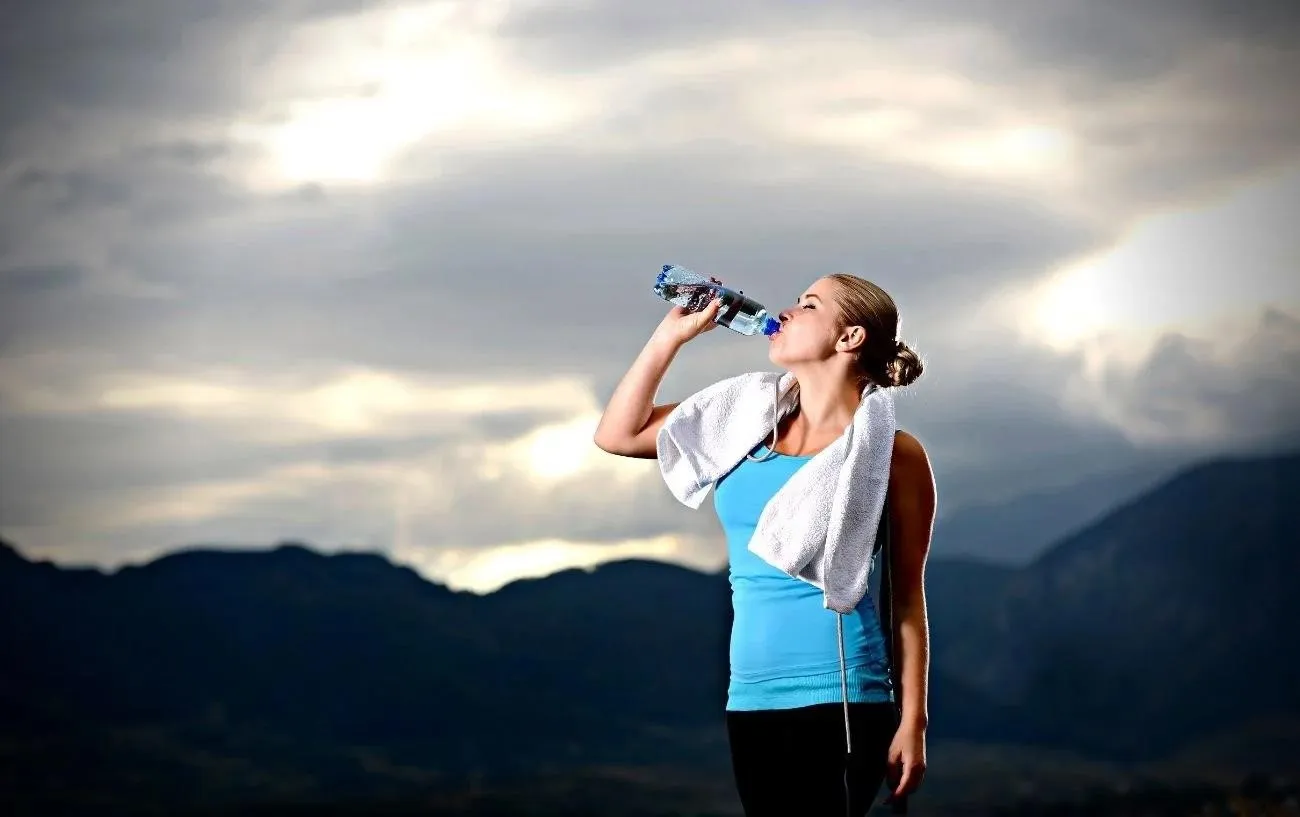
[
  {"x": 906, "y": 760},
  {"x": 679, "y": 326}
]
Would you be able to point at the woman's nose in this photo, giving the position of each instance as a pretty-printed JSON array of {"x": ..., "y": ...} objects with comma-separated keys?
[{"x": 783, "y": 315}]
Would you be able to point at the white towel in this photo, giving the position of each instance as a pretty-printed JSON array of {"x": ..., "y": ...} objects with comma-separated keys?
[{"x": 821, "y": 526}]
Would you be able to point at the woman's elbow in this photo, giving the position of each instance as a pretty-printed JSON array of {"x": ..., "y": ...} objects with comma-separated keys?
[
  {"x": 618, "y": 445},
  {"x": 606, "y": 442}
]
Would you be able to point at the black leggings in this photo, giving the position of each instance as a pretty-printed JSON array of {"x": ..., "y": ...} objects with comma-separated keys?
[{"x": 792, "y": 761}]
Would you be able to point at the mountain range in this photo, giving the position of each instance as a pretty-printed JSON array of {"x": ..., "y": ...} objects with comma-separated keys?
[{"x": 210, "y": 676}]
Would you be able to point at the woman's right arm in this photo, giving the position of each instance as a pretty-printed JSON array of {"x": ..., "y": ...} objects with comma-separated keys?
[{"x": 631, "y": 420}]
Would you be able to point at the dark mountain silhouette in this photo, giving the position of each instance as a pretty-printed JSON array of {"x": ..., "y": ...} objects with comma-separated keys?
[
  {"x": 1167, "y": 622},
  {"x": 1172, "y": 617},
  {"x": 351, "y": 648}
]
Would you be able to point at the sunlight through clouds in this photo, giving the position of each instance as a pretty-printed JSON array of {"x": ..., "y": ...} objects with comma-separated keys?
[
  {"x": 1188, "y": 270},
  {"x": 556, "y": 452},
  {"x": 1016, "y": 150},
  {"x": 357, "y": 91},
  {"x": 1165, "y": 328},
  {"x": 358, "y": 401},
  {"x": 485, "y": 570}
]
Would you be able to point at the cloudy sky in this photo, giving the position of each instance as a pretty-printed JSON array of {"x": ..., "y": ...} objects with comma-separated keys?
[{"x": 363, "y": 274}]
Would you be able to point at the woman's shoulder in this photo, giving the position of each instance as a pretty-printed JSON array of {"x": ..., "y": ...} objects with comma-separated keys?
[{"x": 909, "y": 457}]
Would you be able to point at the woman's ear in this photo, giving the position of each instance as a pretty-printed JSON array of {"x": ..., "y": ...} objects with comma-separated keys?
[{"x": 851, "y": 339}]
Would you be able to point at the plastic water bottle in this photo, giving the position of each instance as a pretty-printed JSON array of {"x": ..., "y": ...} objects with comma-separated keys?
[{"x": 693, "y": 292}]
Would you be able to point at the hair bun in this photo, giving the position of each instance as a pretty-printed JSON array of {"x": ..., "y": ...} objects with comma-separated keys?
[{"x": 906, "y": 366}]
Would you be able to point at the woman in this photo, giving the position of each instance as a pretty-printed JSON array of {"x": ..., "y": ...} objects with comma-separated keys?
[{"x": 785, "y": 713}]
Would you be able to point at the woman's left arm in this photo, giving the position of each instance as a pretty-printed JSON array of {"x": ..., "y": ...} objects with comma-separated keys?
[{"x": 912, "y": 511}]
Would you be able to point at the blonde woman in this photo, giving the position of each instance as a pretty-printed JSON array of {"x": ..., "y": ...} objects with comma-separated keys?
[{"x": 786, "y": 709}]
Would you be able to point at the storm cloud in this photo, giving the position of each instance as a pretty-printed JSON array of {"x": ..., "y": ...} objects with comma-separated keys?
[{"x": 365, "y": 273}]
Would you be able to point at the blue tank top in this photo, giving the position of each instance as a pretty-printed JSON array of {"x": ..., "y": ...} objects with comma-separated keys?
[{"x": 784, "y": 644}]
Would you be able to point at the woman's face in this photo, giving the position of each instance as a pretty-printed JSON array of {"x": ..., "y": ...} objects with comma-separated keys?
[{"x": 809, "y": 329}]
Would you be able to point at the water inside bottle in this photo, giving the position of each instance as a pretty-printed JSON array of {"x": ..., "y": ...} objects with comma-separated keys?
[
  {"x": 692, "y": 296},
  {"x": 693, "y": 292}
]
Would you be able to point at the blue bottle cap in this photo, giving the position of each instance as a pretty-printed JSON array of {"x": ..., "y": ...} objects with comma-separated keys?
[{"x": 771, "y": 325}]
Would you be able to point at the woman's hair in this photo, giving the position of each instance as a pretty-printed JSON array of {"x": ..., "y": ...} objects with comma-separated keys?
[{"x": 883, "y": 358}]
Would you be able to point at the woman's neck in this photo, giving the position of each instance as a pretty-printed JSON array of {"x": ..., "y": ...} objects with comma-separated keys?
[{"x": 827, "y": 406}]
